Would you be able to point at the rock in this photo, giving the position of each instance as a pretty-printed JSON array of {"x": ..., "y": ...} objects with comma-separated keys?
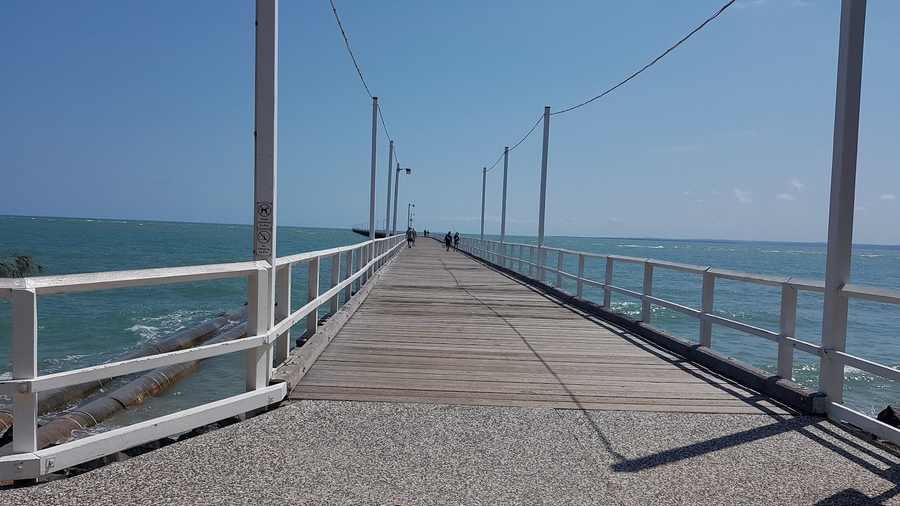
[
  {"x": 19, "y": 266},
  {"x": 889, "y": 416}
]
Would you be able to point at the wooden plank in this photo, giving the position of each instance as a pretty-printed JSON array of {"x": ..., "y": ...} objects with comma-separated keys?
[{"x": 442, "y": 328}]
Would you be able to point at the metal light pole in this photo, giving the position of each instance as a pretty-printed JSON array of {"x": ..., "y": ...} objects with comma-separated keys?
[
  {"x": 372, "y": 183},
  {"x": 483, "y": 185},
  {"x": 543, "y": 205},
  {"x": 503, "y": 208},
  {"x": 843, "y": 189},
  {"x": 409, "y": 208},
  {"x": 397, "y": 189},
  {"x": 265, "y": 178},
  {"x": 387, "y": 207},
  {"x": 503, "y": 204}
]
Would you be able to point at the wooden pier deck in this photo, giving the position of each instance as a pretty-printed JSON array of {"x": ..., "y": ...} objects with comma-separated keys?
[{"x": 440, "y": 327}]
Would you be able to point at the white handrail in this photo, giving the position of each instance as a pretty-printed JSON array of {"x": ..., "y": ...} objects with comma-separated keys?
[
  {"x": 790, "y": 285},
  {"x": 370, "y": 255}
]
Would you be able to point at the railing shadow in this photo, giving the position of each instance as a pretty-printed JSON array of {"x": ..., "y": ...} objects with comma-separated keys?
[{"x": 813, "y": 428}]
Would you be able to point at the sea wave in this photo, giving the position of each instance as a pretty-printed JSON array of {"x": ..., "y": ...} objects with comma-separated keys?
[{"x": 640, "y": 246}]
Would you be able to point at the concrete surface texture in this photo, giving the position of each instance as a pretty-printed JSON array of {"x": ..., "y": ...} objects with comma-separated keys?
[{"x": 347, "y": 452}]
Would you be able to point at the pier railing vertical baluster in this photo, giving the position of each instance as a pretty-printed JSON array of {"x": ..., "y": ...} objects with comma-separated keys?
[
  {"x": 607, "y": 282},
  {"x": 24, "y": 366},
  {"x": 282, "y": 311},
  {"x": 579, "y": 286},
  {"x": 706, "y": 306},
  {"x": 312, "y": 291},
  {"x": 348, "y": 264},
  {"x": 788, "y": 328},
  {"x": 647, "y": 291},
  {"x": 559, "y": 268},
  {"x": 357, "y": 262},
  {"x": 335, "y": 280},
  {"x": 531, "y": 259},
  {"x": 259, "y": 359}
]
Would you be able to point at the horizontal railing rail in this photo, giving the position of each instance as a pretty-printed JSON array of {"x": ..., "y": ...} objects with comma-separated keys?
[
  {"x": 267, "y": 345},
  {"x": 530, "y": 260}
]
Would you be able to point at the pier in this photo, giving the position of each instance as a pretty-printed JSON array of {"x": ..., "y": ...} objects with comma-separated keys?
[
  {"x": 454, "y": 381},
  {"x": 483, "y": 374}
]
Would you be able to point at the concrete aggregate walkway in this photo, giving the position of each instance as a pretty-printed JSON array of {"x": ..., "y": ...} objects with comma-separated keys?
[{"x": 345, "y": 452}]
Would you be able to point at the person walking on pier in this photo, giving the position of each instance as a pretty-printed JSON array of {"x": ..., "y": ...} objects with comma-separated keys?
[
  {"x": 456, "y": 241},
  {"x": 410, "y": 237},
  {"x": 448, "y": 240}
]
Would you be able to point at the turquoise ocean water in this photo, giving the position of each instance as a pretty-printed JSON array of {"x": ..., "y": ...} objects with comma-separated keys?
[{"x": 78, "y": 330}]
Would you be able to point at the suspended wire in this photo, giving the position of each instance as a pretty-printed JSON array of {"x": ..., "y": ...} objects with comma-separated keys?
[
  {"x": 524, "y": 137},
  {"x": 527, "y": 135},
  {"x": 361, "y": 77},
  {"x": 653, "y": 62},
  {"x": 349, "y": 50},
  {"x": 495, "y": 163}
]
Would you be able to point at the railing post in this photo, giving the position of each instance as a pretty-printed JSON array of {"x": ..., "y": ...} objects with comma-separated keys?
[
  {"x": 357, "y": 265},
  {"x": 579, "y": 288},
  {"x": 282, "y": 311},
  {"x": 531, "y": 268},
  {"x": 312, "y": 291},
  {"x": 788, "y": 326},
  {"x": 335, "y": 280},
  {"x": 349, "y": 266},
  {"x": 24, "y": 366},
  {"x": 607, "y": 282},
  {"x": 646, "y": 312},
  {"x": 706, "y": 307},
  {"x": 259, "y": 316},
  {"x": 559, "y": 268}
]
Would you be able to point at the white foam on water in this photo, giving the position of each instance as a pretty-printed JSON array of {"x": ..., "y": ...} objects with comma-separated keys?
[
  {"x": 146, "y": 332},
  {"x": 640, "y": 246}
]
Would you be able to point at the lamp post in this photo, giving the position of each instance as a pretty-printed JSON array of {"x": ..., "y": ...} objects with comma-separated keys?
[
  {"x": 396, "y": 190},
  {"x": 409, "y": 216}
]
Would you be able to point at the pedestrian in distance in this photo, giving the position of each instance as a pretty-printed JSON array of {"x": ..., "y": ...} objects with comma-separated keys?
[
  {"x": 448, "y": 240},
  {"x": 410, "y": 237},
  {"x": 456, "y": 241}
]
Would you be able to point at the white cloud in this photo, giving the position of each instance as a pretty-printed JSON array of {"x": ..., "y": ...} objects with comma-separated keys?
[
  {"x": 749, "y": 3},
  {"x": 785, "y": 196},
  {"x": 798, "y": 186},
  {"x": 888, "y": 196},
  {"x": 742, "y": 196}
]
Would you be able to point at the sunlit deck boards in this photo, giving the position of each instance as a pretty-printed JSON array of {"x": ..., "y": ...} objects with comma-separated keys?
[{"x": 442, "y": 328}]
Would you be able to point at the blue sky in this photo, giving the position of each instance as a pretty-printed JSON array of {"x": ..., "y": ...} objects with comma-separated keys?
[{"x": 143, "y": 110}]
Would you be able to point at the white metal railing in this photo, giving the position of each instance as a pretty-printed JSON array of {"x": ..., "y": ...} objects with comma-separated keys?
[
  {"x": 27, "y": 461},
  {"x": 522, "y": 259}
]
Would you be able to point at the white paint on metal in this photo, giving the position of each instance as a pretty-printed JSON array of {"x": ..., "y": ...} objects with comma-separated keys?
[
  {"x": 843, "y": 189},
  {"x": 312, "y": 293},
  {"x": 387, "y": 206},
  {"x": 707, "y": 303},
  {"x": 483, "y": 188},
  {"x": 24, "y": 366},
  {"x": 503, "y": 203},
  {"x": 336, "y": 278},
  {"x": 787, "y": 326},
  {"x": 646, "y": 312},
  {"x": 282, "y": 310},
  {"x": 396, "y": 191},
  {"x": 543, "y": 201}
]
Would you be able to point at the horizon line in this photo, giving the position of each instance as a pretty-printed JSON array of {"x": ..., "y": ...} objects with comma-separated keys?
[{"x": 349, "y": 227}]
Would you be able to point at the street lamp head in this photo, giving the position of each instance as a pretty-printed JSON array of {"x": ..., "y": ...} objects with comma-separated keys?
[{"x": 408, "y": 171}]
